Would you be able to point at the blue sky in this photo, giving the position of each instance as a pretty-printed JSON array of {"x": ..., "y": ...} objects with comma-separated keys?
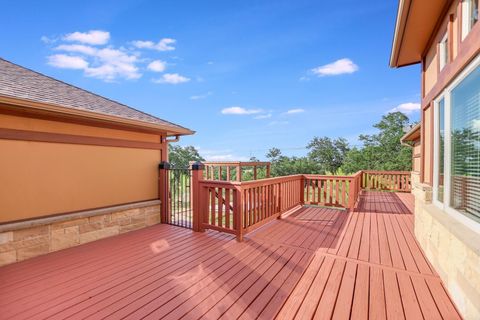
[{"x": 246, "y": 75}]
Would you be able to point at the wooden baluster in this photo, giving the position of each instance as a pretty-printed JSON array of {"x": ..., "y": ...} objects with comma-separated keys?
[
  {"x": 227, "y": 208},
  {"x": 213, "y": 221}
]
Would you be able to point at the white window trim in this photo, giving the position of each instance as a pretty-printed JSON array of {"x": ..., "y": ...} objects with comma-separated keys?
[
  {"x": 436, "y": 146},
  {"x": 446, "y": 94},
  {"x": 443, "y": 54},
  {"x": 466, "y": 4}
]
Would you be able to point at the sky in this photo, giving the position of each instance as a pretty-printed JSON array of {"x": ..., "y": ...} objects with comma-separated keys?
[{"x": 245, "y": 75}]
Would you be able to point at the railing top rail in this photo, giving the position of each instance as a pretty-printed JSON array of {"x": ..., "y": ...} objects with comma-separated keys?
[
  {"x": 220, "y": 183},
  {"x": 323, "y": 177},
  {"x": 263, "y": 182},
  {"x": 236, "y": 163},
  {"x": 386, "y": 172}
]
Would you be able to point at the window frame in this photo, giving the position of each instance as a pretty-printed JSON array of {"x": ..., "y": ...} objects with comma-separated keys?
[
  {"x": 436, "y": 146},
  {"x": 446, "y": 95},
  {"x": 466, "y": 11},
  {"x": 443, "y": 52}
]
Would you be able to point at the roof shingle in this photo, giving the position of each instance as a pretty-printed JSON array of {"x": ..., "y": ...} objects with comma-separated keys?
[{"x": 22, "y": 83}]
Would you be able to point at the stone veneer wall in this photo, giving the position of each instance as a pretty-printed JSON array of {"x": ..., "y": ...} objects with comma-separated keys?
[
  {"x": 452, "y": 248},
  {"x": 23, "y": 240}
]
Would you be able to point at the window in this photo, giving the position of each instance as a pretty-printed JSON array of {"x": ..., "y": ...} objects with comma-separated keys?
[
  {"x": 469, "y": 16},
  {"x": 465, "y": 145},
  {"x": 443, "y": 51},
  {"x": 457, "y": 146}
]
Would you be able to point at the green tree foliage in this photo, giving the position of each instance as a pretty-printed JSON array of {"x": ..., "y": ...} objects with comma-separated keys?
[
  {"x": 180, "y": 157},
  {"x": 328, "y": 154},
  {"x": 382, "y": 151},
  {"x": 284, "y": 166}
]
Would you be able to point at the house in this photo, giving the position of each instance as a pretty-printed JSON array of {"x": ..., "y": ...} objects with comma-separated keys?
[
  {"x": 74, "y": 166},
  {"x": 412, "y": 139},
  {"x": 444, "y": 37}
]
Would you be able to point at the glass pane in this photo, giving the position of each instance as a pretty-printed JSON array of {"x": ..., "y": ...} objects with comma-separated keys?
[
  {"x": 465, "y": 151},
  {"x": 473, "y": 12},
  {"x": 441, "y": 148}
]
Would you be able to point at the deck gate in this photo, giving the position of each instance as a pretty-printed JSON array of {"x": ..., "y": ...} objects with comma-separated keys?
[{"x": 177, "y": 188}]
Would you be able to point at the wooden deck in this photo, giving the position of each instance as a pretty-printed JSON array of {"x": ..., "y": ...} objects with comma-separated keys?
[{"x": 317, "y": 263}]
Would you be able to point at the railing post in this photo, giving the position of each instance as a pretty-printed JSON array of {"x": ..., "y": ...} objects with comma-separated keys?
[
  {"x": 352, "y": 194},
  {"x": 163, "y": 190},
  {"x": 238, "y": 214},
  {"x": 302, "y": 190},
  {"x": 267, "y": 174},
  {"x": 196, "y": 199}
]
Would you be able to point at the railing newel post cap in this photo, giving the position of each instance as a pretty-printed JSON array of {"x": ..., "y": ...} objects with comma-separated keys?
[
  {"x": 197, "y": 165},
  {"x": 164, "y": 165}
]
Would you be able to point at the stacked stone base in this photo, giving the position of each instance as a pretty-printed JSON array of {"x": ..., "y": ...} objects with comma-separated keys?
[
  {"x": 20, "y": 241},
  {"x": 452, "y": 248}
]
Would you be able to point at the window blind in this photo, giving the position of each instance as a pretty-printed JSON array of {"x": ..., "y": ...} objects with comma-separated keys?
[{"x": 465, "y": 146}]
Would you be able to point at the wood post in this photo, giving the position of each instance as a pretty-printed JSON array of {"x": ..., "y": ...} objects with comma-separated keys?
[
  {"x": 239, "y": 173},
  {"x": 255, "y": 173},
  {"x": 302, "y": 190},
  {"x": 237, "y": 211},
  {"x": 352, "y": 194},
  {"x": 163, "y": 190},
  {"x": 268, "y": 171},
  {"x": 196, "y": 197}
]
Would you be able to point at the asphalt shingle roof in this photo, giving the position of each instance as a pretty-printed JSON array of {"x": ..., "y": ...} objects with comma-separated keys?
[{"x": 22, "y": 83}]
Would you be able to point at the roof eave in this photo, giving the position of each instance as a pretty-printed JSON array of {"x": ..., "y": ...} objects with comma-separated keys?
[
  {"x": 400, "y": 24},
  {"x": 408, "y": 136},
  {"x": 169, "y": 130}
]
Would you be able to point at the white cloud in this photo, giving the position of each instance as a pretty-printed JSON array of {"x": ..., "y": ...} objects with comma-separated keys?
[
  {"x": 165, "y": 44},
  {"x": 263, "y": 116},
  {"x": 294, "y": 111},
  {"x": 172, "y": 78},
  {"x": 93, "y": 37},
  {"x": 342, "y": 66},
  {"x": 201, "y": 96},
  {"x": 67, "y": 62},
  {"x": 90, "y": 52},
  {"x": 407, "y": 108},
  {"x": 157, "y": 66},
  {"x": 113, "y": 64},
  {"x": 240, "y": 111},
  {"x": 79, "y": 48},
  {"x": 108, "y": 63}
]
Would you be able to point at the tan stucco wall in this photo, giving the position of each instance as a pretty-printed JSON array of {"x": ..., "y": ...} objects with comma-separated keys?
[
  {"x": 41, "y": 179},
  {"x": 44, "y": 178},
  {"x": 32, "y": 124},
  {"x": 452, "y": 248}
]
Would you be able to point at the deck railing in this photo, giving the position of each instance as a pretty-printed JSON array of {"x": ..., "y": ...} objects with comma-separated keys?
[
  {"x": 240, "y": 207},
  {"x": 398, "y": 181}
]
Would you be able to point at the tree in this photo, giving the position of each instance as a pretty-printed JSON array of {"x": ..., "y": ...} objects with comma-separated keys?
[
  {"x": 329, "y": 154},
  {"x": 382, "y": 151},
  {"x": 180, "y": 157},
  {"x": 284, "y": 166}
]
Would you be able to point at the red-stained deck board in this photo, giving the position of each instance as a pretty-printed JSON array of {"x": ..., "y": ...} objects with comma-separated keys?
[{"x": 316, "y": 263}]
